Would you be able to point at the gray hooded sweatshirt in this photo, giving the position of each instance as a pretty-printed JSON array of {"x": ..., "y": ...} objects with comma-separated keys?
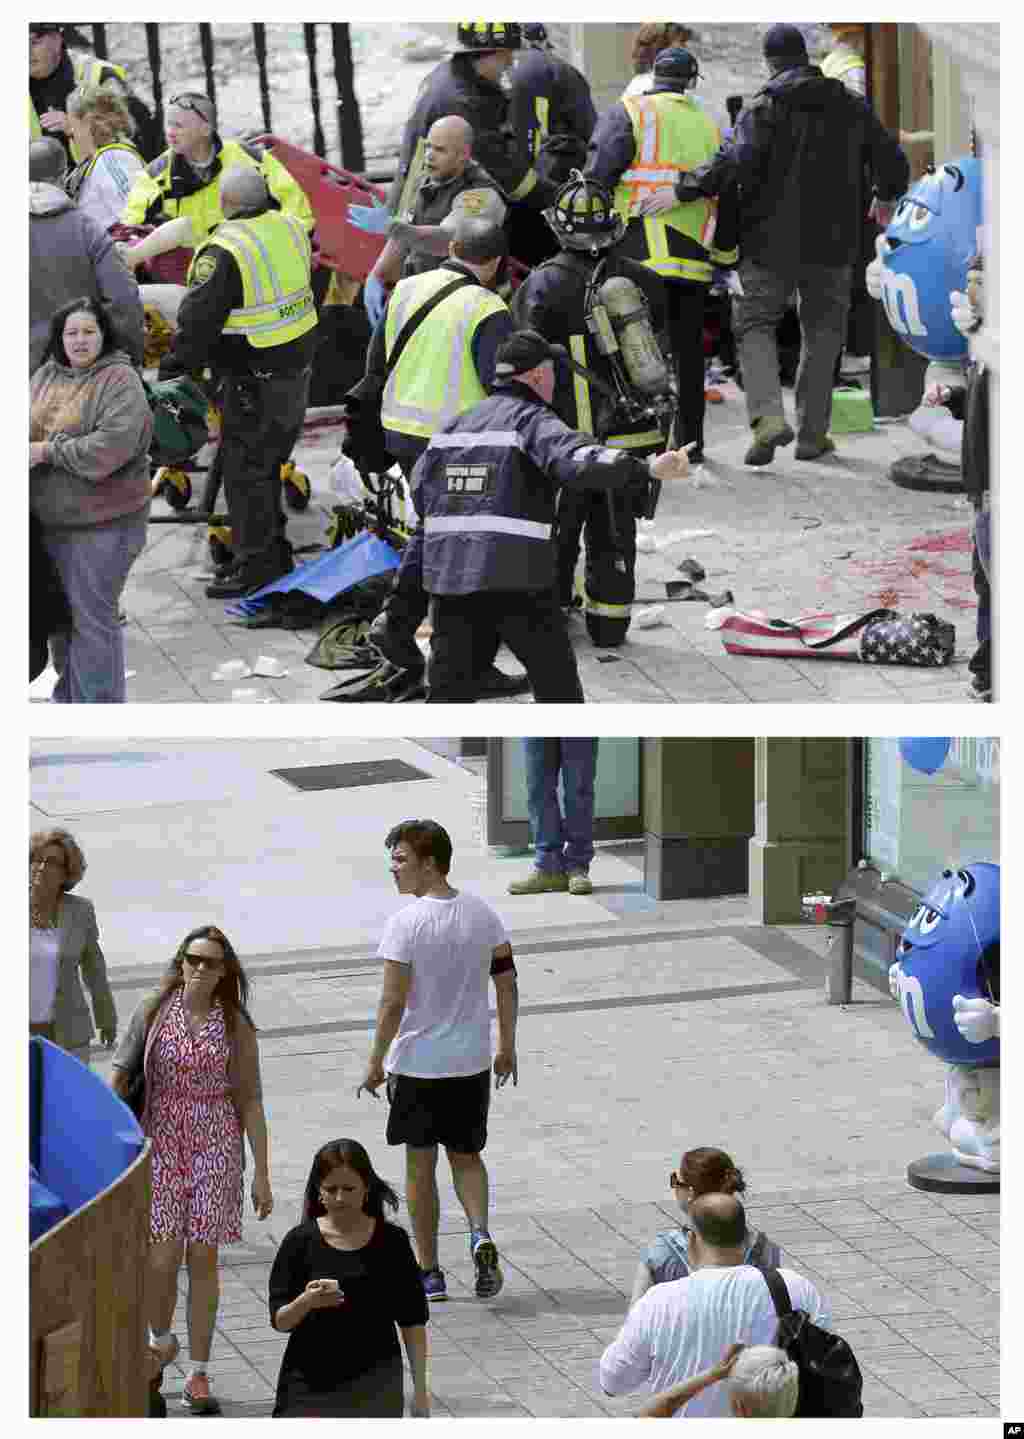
[
  {"x": 70, "y": 256},
  {"x": 99, "y": 426}
]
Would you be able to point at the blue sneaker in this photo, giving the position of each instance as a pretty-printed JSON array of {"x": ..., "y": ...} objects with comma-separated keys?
[
  {"x": 434, "y": 1286},
  {"x": 489, "y": 1278}
]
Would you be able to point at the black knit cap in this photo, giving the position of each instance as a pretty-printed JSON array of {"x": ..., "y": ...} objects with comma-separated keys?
[
  {"x": 44, "y": 27},
  {"x": 523, "y": 350},
  {"x": 675, "y": 66},
  {"x": 785, "y": 42}
]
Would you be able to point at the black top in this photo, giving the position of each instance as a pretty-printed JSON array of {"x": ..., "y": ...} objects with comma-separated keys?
[
  {"x": 382, "y": 1286},
  {"x": 455, "y": 88},
  {"x": 802, "y": 154}
]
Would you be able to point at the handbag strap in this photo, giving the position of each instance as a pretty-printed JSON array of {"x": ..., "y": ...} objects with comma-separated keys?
[
  {"x": 779, "y": 1292},
  {"x": 844, "y": 633},
  {"x": 413, "y": 323}
]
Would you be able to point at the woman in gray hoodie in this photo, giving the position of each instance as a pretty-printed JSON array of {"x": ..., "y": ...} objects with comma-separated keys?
[{"x": 89, "y": 434}]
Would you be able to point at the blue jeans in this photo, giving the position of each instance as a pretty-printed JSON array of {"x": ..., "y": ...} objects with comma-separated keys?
[
  {"x": 561, "y": 843},
  {"x": 93, "y": 565}
]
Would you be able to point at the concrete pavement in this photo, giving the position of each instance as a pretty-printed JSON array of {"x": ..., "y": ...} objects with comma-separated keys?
[
  {"x": 646, "y": 1029},
  {"x": 791, "y": 538}
]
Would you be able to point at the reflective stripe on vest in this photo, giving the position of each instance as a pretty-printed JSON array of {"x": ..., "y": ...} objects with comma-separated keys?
[
  {"x": 671, "y": 136},
  {"x": 525, "y": 185},
  {"x": 663, "y": 262},
  {"x": 435, "y": 378},
  {"x": 611, "y": 612},
  {"x": 581, "y": 386},
  {"x": 542, "y": 109},
  {"x": 485, "y": 524},
  {"x": 499, "y": 439},
  {"x": 272, "y": 253},
  {"x": 839, "y": 62},
  {"x": 639, "y": 441}
]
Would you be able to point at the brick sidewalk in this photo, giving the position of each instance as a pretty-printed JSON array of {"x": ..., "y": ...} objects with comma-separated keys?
[
  {"x": 912, "y": 1279},
  {"x": 790, "y": 538}
]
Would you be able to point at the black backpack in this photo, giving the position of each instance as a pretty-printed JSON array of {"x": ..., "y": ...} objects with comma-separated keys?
[{"x": 830, "y": 1377}]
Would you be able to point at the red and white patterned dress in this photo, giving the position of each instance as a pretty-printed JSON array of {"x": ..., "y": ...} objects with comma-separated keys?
[{"x": 197, "y": 1140}]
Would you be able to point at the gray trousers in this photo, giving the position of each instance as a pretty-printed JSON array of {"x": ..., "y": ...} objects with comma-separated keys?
[
  {"x": 93, "y": 564},
  {"x": 823, "y": 293}
]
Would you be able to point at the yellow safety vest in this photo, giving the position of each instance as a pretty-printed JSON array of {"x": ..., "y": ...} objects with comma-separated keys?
[
  {"x": 87, "y": 72},
  {"x": 838, "y": 62},
  {"x": 272, "y": 252},
  {"x": 435, "y": 378},
  {"x": 672, "y": 135},
  {"x": 203, "y": 207}
]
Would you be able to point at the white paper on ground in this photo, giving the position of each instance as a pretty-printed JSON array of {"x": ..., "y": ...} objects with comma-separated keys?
[
  {"x": 232, "y": 670},
  {"x": 267, "y": 667}
]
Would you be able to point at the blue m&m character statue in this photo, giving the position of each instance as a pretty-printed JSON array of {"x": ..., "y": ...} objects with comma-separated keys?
[
  {"x": 924, "y": 252},
  {"x": 951, "y": 947}
]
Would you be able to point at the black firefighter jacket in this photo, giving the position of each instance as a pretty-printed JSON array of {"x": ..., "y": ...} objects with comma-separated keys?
[
  {"x": 485, "y": 491},
  {"x": 455, "y": 88}
]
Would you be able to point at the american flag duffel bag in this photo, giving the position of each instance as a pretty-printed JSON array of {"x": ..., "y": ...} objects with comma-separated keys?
[{"x": 878, "y": 637}]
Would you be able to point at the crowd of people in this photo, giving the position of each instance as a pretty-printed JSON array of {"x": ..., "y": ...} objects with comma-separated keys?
[
  {"x": 347, "y": 1280},
  {"x": 560, "y": 263}
]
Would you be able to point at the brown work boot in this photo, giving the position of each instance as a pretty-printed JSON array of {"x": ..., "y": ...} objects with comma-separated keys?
[
  {"x": 541, "y": 881},
  {"x": 770, "y": 432}
]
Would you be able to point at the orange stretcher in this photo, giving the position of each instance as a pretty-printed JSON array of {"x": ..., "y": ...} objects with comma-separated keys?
[{"x": 330, "y": 191}]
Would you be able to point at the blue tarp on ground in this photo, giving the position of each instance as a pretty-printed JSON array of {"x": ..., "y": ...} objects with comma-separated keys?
[{"x": 326, "y": 578}]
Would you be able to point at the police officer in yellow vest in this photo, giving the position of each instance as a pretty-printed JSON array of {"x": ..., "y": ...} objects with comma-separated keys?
[
  {"x": 845, "y": 61},
  {"x": 183, "y": 181},
  {"x": 443, "y": 371},
  {"x": 641, "y": 146},
  {"x": 250, "y": 315},
  {"x": 53, "y": 74}
]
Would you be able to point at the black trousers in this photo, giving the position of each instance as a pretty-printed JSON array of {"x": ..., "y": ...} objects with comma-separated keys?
[
  {"x": 468, "y": 629},
  {"x": 261, "y": 423},
  {"x": 607, "y": 523},
  {"x": 684, "y": 317}
]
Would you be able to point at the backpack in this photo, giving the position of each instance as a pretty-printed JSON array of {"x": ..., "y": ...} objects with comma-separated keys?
[
  {"x": 179, "y": 408},
  {"x": 830, "y": 1377}
]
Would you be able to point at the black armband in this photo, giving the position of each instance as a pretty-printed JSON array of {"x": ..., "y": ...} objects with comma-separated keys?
[{"x": 503, "y": 965}]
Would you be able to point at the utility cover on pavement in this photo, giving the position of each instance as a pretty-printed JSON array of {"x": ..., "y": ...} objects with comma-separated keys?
[{"x": 350, "y": 776}]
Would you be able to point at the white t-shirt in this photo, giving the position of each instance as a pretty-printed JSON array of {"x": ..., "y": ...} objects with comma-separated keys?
[
  {"x": 108, "y": 184},
  {"x": 449, "y": 943},
  {"x": 679, "y": 1329},
  {"x": 44, "y": 950}
]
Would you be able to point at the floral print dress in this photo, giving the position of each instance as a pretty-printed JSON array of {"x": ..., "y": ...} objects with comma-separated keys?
[{"x": 197, "y": 1139}]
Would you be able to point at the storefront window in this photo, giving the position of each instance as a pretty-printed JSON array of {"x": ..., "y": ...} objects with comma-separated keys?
[{"x": 915, "y": 824}]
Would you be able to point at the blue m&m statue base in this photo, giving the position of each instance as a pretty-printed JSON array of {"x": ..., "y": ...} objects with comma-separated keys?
[{"x": 944, "y": 1174}]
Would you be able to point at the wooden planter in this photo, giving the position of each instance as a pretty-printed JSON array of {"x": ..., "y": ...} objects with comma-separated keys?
[{"x": 88, "y": 1355}]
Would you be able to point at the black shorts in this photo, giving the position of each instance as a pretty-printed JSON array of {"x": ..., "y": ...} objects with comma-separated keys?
[{"x": 452, "y": 1112}]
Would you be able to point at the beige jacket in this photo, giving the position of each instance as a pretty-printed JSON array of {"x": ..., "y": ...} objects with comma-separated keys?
[{"x": 79, "y": 957}]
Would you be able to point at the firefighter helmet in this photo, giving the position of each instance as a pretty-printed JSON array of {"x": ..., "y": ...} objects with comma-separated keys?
[
  {"x": 478, "y": 37},
  {"x": 583, "y": 217}
]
